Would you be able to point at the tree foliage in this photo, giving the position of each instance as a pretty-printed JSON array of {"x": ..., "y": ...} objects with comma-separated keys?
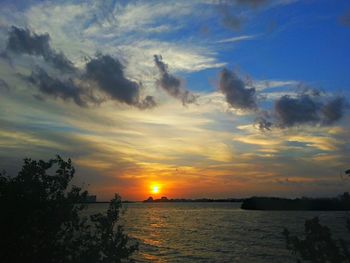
[
  {"x": 41, "y": 219},
  {"x": 318, "y": 245}
]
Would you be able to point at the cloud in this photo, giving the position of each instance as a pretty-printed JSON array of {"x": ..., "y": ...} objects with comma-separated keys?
[
  {"x": 105, "y": 71},
  {"x": 131, "y": 31},
  {"x": 147, "y": 103},
  {"x": 333, "y": 110},
  {"x": 237, "y": 94},
  {"x": 57, "y": 88},
  {"x": 171, "y": 84},
  {"x": 293, "y": 111},
  {"x": 308, "y": 108},
  {"x": 108, "y": 73},
  {"x": 144, "y": 16},
  {"x": 305, "y": 106},
  {"x": 273, "y": 84},
  {"x": 184, "y": 56},
  {"x": 236, "y": 39},
  {"x": 23, "y": 41},
  {"x": 264, "y": 124},
  {"x": 262, "y": 121}
]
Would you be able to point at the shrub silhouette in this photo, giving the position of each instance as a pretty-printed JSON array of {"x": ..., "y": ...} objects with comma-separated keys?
[
  {"x": 318, "y": 246},
  {"x": 41, "y": 221}
]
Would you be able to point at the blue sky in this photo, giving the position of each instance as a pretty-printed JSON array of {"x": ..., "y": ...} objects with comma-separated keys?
[{"x": 240, "y": 97}]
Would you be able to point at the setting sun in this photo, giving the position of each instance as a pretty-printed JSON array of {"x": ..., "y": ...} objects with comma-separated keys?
[{"x": 155, "y": 189}]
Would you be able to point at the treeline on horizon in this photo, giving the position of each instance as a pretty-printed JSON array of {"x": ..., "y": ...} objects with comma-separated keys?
[
  {"x": 339, "y": 203},
  {"x": 184, "y": 200}
]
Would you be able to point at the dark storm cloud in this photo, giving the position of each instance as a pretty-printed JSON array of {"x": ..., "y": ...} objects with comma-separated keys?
[
  {"x": 237, "y": 94},
  {"x": 308, "y": 106},
  {"x": 23, "y": 41},
  {"x": 80, "y": 87},
  {"x": 56, "y": 88},
  {"x": 264, "y": 124},
  {"x": 147, "y": 103},
  {"x": 108, "y": 73},
  {"x": 308, "y": 109},
  {"x": 262, "y": 121},
  {"x": 294, "y": 111},
  {"x": 333, "y": 110},
  {"x": 171, "y": 84}
]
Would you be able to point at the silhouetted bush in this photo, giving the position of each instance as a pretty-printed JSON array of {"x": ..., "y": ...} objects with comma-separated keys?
[
  {"x": 41, "y": 221},
  {"x": 318, "y": 246}
]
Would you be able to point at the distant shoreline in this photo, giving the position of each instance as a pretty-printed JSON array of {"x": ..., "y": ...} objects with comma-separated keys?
[
  {"x": 199, "y": 200},
  {"x": 341, "y": 203},
  {"x": 204, "y": 200}
]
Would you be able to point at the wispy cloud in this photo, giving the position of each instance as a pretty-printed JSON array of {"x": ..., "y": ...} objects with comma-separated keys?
[
  {"x": 127, "y": 30},
  {"x": 237, "y": 39}
]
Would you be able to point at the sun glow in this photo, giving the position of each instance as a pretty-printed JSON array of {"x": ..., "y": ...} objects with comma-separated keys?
[{"x": 155, "y": 189}]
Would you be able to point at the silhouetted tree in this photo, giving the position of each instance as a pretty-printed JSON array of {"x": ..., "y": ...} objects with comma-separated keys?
[
  {"x": 41, "y": 220},
  {"x": 318, "y": 246}
]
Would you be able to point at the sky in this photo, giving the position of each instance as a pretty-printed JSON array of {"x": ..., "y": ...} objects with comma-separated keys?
[{"x": 202, "y": 98}]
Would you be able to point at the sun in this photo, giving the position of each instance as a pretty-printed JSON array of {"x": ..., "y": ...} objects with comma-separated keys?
[{"x": 155, "y": 189}]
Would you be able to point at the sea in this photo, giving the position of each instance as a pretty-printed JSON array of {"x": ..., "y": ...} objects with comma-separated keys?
[{"x": 215, "y": 232}]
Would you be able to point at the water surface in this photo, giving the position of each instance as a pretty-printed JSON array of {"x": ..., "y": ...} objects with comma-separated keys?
[{"x": 215, "y": 232}]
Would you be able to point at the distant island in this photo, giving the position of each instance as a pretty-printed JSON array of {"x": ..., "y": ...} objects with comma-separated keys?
[
  {"x": 182, "y": 200},
  {"x": 340, "y": 203}
]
